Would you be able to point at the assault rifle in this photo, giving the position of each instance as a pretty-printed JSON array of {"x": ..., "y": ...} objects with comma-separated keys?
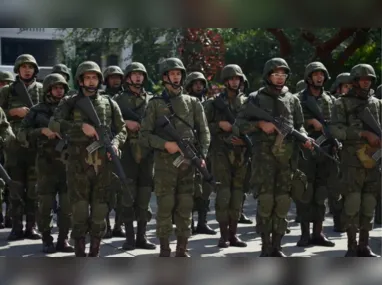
[{"x": 129, "y": 114}]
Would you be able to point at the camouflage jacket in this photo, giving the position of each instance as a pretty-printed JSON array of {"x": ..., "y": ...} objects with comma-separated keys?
[
  {"x": 214, "y": 116},
  {"x": 324, "y": 102},
  {"x": 6, "y": 133},
  {"x": 112, "y": 92},
  {"x": 10, "y": 100},
  {"x": 68, "y": 119},
  {"x": 285, "y": 104},
  {"x": 346, "y": 126},
  {"x": 186, "y": 107}
]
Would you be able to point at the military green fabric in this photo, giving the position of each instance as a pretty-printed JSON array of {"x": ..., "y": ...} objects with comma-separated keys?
[
  {"x": 88, "y": 175},
  {"x": 317, "y": 168},
  {"x": 272, "y": 178},
  {"x": 112, "y": 70},
  {"x": 362, "y": 70},
  {"x": 50, "y": 165},
  {"x": 229, "y": 162},
  {"x": 61, "y": 69},
  {"x": 135, "y": 66},
  {"x": 360, "y": 187},
  {"x": 19, "y": 158},
  {"x": 6, "y": 76},
  {"x": 231, "y": 70},
  {"x": 53, "y": 79},
  {"x": 137, "y": 161},
  {"x": 174, "y": 187},
  {"x": 25, "y": 58},
  {"x": 192, "y": 77},
  {"x": 88, "y": 66}
]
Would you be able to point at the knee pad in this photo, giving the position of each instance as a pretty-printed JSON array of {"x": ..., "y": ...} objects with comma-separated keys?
[
  {"x": 265, "y": 205},
  {"x": 368, "y": 204},
  {"x": 282, "y": 206}
]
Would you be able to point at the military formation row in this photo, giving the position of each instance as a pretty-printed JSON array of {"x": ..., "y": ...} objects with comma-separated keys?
[{"x": 109, "y": 149}]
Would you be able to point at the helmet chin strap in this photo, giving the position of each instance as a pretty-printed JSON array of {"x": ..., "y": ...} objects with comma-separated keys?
[{"x": 173, "y": 85}]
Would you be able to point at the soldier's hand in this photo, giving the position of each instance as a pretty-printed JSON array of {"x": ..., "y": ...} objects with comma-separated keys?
[
  {"x": 132, "y": 125},
  {"x": 225, "y": 126},
  {"x": 172, "y": 147},
  {"x": 19, "y": 112},
  {"x": 48, "y": 133},
  {"x": 309, "y": 144},
  {"x": 203, "y": 163},
  {"x": 115, "y": 150},
  {"x": 372, "y": 138},
  {"x": 89, "y": 131},
  {"x": 316, "y": 124},
  {"x": 237, "y": 141},
  {"x": 267, "y": 127}
]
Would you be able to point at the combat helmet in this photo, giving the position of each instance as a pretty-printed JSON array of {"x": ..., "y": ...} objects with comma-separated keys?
[
  {"x": 88, "y": 66},
  {"x": 171, "y": 64},
  {"x": 135, "y": 66},
  {"x": 342, "y": 78},
  {"x": 62, "y": 69},
  {"x": 272, "y": 64},
  {"x": 111, "y": 70},
  {"x": 196, "y": 75},
  {"x": 52, "y": 79},
  {"x": 231, "y": 70},
  {"x": 301, "y": 85},
  {"x": 7, "y": 76},
  {"x": 313, "y": 67},
  {"x": 362, "y": 70},
  {"x": 25, "y": 58}
]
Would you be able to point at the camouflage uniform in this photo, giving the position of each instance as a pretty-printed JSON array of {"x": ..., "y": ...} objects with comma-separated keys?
[
  {"x": 64, "y": 71},
  {"x": 50, "y": 168},
  {"x": 112, "y": 70},
  {"x": 229, "y": 162},
  {"x": 360, "y": 177},
  {"x": 202, "y": 190},
  {"x": 312, "y": 191},
  {"x": 300, "y": 86},
  {"x": 137, "y": 161},
  {"x": 20, "y": 159},
  {"x": 6, "y": 136},
  {"x": 174, "y": 187},
  {"x": 6, "y": 78},
  {"x": 271, "y": 179},
  {"x": 88, "y": 175}
]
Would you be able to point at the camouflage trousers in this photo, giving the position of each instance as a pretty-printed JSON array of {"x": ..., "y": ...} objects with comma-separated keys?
[
  {"x": 202, "y": 193},
  {"x": 174, "y": 189},
  {"x": 51, "y": 180},
  {"x": 311, "y": 191},
  {"x": 88, "y": 182},
  {"x": 271, "y": 182},
  {"x": 20, "y": 164},
  {"x": 229, "y": 168},
  {"x": 135, "y": 200},
  {"x": 360, "y": 190}
]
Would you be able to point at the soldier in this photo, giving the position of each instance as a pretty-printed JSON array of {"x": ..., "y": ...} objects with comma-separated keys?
[
  {"x": 20, "y": 159},
  {"x": 378, "y": 93},
  {"x": 113, "y": 80},
  {"x": 137, "y": 159},
  {"x": 271, "y": 179},
  {"x": 301, "y": 85},
  {"x": 174, "y": 187},
  {"x": 341, "y": 85},
  {"x": 88, "y": 174},
  {"x": 228, "y": 157},
  {"x": 6, "y": 78},
  {"x": 317, "y": 168},
  {"x": 244, "y": 86},
  {"x": 51, "y": 174},
  {"x": 196, "y": 85},
  {"x": 6, "y": 136},
  {"x": 64, "y": 71},
  {"x": 360, "y": 182}
]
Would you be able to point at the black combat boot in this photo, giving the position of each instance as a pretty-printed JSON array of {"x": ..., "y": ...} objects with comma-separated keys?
[
  {"x": 234, "y": 240},
  {"x": 129, "y": 244},
  {"x": 17, "y": 229},
  {"x": 142, "y": 241},
  {"x": 266, "y": 242},
  {"x": 118, "y": 230},
  {"x": 30, "y": 228},
  {"x": 352, "y": 242},
  {"x": 181, "y": 247},
  {"x": 95, "y": 245},
  {"x": 7, "y": 222},
  {"x": 47, "y": 243},
  {"x": 108, "y": 234},
  {"x": 62, "y": 244},
  {"x": 202, "y": 227},
  {"x": 364, "y": 249},
  {"x": 223, "y": 241},
  {"x": 165, "y": 250},
  {"x": 305, "y": 235},
  {"x": 318, "y": 237},
  {"x": 276, "y": 245},
  {"x": 79, "y": 247}
]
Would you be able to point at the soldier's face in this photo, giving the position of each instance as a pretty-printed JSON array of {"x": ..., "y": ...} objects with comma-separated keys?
[
  {"x": 114, "y": 81},
  {"x": 364, "y": 83},
  {"x": 175, "y": 76},
  {"x": 26, "y": 70},
  {"x": 90, "y": 79},
  {"x": 234, "y": 82},
  {"x": 345, "y": 88},
  {"x": 3, "y": 83},
  {"x": 136, "y": 77},
  {"x": 318, "y": 78},
  {"x": 197, "y": 87},
  {"x": 278, "y": 77},
  {"x": 58, "y": 91}
]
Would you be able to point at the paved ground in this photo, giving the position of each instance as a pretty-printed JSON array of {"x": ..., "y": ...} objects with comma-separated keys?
[{"x": 204, "y": 245}]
